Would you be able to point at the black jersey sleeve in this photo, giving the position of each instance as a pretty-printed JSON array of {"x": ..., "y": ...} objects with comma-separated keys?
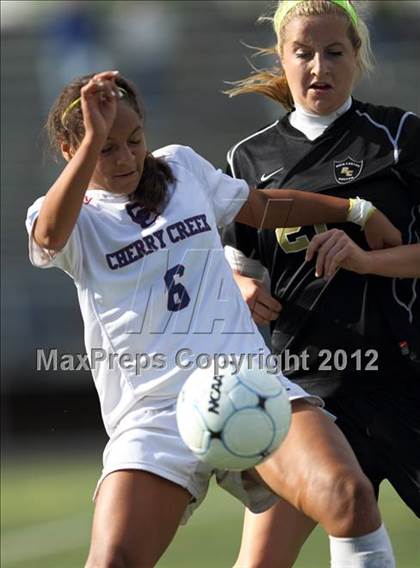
[
  {"x": 408, "y": 165},
  {"x": 239, "y": 236}
]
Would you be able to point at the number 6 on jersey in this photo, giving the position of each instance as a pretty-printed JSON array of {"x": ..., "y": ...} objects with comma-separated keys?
[{"x": 178, "y": 297}]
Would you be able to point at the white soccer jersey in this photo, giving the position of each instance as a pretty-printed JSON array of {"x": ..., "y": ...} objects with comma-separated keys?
[{"x": 155, "y": 284}]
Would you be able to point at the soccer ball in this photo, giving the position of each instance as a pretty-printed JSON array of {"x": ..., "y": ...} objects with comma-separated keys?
[{"x": 233, "y": 420}]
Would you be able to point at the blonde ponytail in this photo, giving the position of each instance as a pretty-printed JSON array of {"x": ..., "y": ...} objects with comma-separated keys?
[{"x": 269, "y": 82}]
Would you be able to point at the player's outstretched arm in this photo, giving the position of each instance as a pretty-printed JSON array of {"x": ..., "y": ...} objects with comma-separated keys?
[
  {"x": 336, "y": 249},
  {"x": 272, "y": 208},
  {"x": 62, "y": 204}
]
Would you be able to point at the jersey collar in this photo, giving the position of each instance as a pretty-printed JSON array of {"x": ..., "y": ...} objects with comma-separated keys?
[
  {"x": 109, "y": 196},
  {"x": 304, "y": 125},
  {"x": 313, "y": 125}
]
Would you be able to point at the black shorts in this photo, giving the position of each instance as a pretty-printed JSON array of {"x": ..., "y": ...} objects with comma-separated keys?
[{"x": 383, "y": 428}]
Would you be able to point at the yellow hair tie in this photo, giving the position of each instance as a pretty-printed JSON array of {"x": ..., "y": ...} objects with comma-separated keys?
[
  {"x": 288, "y": 5},
  {"x": 121, "y": 93}
]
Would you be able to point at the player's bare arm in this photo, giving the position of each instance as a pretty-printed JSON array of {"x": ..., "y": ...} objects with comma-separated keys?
[
  {"x": 63, "y": 201},
  {"x": 335, "y": 249},
  {"x": 272, "y": 208},
  {"x": 401, "y": 262},
  {"x": 264, "y": 308}
]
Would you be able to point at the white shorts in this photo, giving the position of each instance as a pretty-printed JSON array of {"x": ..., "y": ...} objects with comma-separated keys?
[{"x": 147, "y": 439}]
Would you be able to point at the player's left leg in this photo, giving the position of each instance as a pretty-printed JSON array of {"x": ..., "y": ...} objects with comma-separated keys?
[
  {"x": 316, "y": 471},
  {"x": 136, "y": 516}
]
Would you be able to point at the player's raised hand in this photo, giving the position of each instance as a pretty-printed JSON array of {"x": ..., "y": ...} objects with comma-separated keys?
[
  {"x": 264, "y": 308},
  {"x": 380, "y": 232},
  {"x": 336, "y": 249},
  {"x": 99, "y": 104}
]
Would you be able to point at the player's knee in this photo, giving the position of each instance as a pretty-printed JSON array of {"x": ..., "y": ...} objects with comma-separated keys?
[
  {"x": 352, "y": 493},
  {"x": 343, "y": 501},
  {"x": 351, "y": 503}
]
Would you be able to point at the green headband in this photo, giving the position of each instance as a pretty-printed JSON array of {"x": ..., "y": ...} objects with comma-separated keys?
[
  {"x": 288, "y": 5},
  {"x": 121, "y": 93}
]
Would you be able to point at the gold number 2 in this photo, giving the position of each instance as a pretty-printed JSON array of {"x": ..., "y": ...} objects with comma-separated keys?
[{"x": 299, "y": 243}]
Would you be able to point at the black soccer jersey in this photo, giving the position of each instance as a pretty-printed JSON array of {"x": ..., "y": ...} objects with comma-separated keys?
[{"x": 355, "y": 325}]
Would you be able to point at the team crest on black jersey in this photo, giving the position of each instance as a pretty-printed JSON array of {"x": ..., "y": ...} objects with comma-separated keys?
[
  {"x": 347, "y": 170},
  {"x": 141, "y": 215}
]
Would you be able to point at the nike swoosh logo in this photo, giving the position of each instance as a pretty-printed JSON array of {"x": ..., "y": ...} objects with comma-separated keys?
[{"x": 265, "y": 177}]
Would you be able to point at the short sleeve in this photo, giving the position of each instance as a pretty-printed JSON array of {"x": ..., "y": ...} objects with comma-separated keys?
[
  {"x": 68, "y": 259},
  {"x": 226, "y": 194}
]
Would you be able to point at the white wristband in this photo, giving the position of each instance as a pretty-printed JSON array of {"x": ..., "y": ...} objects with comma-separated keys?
[{"x": 359, "y": 211}]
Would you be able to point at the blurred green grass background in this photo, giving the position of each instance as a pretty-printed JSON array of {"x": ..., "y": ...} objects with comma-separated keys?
[{"x": 46, "y": 513}]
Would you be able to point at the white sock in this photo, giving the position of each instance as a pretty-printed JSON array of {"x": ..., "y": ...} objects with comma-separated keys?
[{"x": 371, "y": 550}]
